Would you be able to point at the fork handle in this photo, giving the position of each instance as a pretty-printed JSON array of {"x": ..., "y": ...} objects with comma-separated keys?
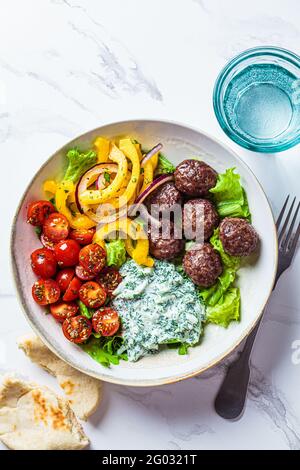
[{"x": 231, "y": 398}]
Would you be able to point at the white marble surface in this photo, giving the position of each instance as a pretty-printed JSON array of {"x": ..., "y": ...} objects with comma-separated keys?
[{"x": 67, "y": 66}]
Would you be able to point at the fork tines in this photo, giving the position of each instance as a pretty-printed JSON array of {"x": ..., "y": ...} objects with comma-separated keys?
[{"x": 287, "y": 236}]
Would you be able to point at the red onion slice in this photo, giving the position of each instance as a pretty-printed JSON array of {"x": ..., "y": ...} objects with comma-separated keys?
[
  {"x": 150, "y": 154},
  {"x": 162, "y": 179}
]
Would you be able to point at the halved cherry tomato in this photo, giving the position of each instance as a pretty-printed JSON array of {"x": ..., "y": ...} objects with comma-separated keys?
[
  {"x": 109, "y": 278},
  {"x": 92, "y": 258},
  {"x": 56, "y": 227},
  {"x": 38, "y": 212},
  {"x": 72, "y": 291},
  {"x": 77, "y": 329},
  {"x": 106, "y": 321},
  {"x": 47, "y": 242},
  {"x": 67, "y": 252},
  {"x": 45, "y": 291},
  {"x": 83, "y": 236},
  {"x": 92, "y": 294},
  {"x": 43, "y": 263},
  {"x": 83, "y": 274},
  {"x": 64, "y": 277},
  {"x": 63, "y": 310}
]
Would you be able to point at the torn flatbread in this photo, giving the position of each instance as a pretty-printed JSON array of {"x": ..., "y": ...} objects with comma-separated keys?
[
  {"x": 33, "y": 417},
  {"x": 83, "y": 392}
]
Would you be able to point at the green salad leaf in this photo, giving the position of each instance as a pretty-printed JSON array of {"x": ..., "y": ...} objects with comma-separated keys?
[
  {"x": 78, "y": 163},
  {"x": 106, "y": 350},
  {"x": 222, "y": 300},
  {"x": 212, "y": 295},
  {"x": 229, "y": 195},
  {"x": 116, "y": 253},
  {"x": 38, "y": 230},
  {"x": 228, "y": 261},
  {"x": 226, "y": 310},
  {"x": 175, "y": 344},
  {"x": 52, "y": 200},
  {"x": 164, "y": 166},
  {"x": 84, "y": 310}
]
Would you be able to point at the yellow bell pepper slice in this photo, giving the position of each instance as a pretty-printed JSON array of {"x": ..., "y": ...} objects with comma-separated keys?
[
  {"x": 64, "y": 190},
  {"x": 139, "y": 253},
  {"x": 102, "y": 147},
  {"x": 50, "y": 186},
  {"x": 149, "y": 168},
  {"x": 120, "y": 225},
  {"x": 139, "y": 150},
  {"x": 154, "y": 161},
  {"x": 148, "y": 174},
  {"x": 98, "y": 196},
  {"x": 128, "y": 148}
]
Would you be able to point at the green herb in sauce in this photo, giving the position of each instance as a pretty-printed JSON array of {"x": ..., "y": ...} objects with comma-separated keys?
[{"x": 157, "y": 306}]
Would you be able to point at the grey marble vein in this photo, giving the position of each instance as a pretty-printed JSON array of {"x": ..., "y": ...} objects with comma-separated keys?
[
  {"x": 174, "y": 445},
  {"x": 46, "y": 80},
  {"x": 55, "y": 86},
  {"x": 114, "y": 75},
  {"x": 272, "y": 403},
  {"x": 194, "y": 431}
]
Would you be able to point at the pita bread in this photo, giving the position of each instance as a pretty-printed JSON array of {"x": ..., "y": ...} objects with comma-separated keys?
[
  {"x": 83, "y": 392},
  {"x": 33, "y": 417}
]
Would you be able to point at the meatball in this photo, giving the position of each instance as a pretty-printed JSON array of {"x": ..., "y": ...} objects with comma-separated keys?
[
  {"x": 194, "y": 178},
  {"x": 238, "y": 237},
  {"x": 165, "y": 248},
  {"x": 166, "y": 196},
  {"x": 203, "y": 265},
  {"x": 200, "y": 218}
]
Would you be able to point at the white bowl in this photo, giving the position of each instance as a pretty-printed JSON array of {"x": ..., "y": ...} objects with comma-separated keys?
[{"x": 255, "y": 279}]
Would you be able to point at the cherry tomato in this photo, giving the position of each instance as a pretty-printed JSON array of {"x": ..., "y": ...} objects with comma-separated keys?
[
  {"x": 77, "y": 329},
  {"x": 72, "y": 291},
  {"x": 67, "y": 252},
  {"x": 92, "y": 294},
  {"x": 92, "y": 258},
  {"x": 109, "y": 278},
  {"x": 47, "y": 242},
  {"x": 43, "y": 263},
  {"x": 83, "y": 236},
  {"x": 83, "y": 274},
  {"x": 64, "y": 277},
  {"x": 63, "y": 310},
  {"x": 106, "y": 321},
  {"x": 56, "y": 227},
  {"x": 39, "y": 211},
  {"x": 45, "y": 291}
]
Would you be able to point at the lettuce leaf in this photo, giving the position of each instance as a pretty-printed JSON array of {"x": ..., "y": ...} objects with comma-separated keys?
[
  {"x": 106, "y": 350},
  {"x": 222, "y": 300},
  {"x": 226, "y": 310},
  {"x": 232, "y": 262},
  {"x": 229, "y": 196},
  {"x": 164, "y": 166},
  {"x": 182, "y": 348},
  {"x": 116, "y": 253},
  {"x": 212, "y": 295},
  {"x": 84, "y": 310},
  {"x": 79, "y": 163}
]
